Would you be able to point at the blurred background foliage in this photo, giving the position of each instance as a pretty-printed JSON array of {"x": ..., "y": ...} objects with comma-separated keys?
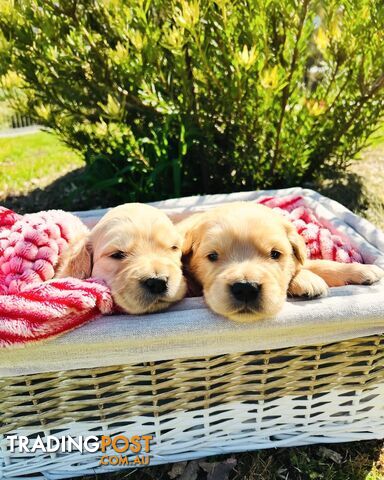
[{"x": 164, "y": 98}]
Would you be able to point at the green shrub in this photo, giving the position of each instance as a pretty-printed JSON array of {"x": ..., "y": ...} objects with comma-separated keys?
[{"x": 172, "y": 97}]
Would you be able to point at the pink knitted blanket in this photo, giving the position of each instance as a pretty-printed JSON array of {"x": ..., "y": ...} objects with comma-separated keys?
[
  {"x": 32, "y": 305},
  {"x": 321, "y": 242},
  {"x": 35, "y": 306}
]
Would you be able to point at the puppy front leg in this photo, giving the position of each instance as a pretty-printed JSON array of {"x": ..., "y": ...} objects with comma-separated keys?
[
  {"x": 307, "y": 284},
  {"x": 336, "y": 274}
]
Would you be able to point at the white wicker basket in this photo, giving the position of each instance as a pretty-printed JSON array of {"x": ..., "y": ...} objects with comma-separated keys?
[{"x": 313, "y": 374}]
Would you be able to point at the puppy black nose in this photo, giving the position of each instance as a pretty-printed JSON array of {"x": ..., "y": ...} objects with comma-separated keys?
[
  {"x": 155, "y": 285},
  {"x": 245, "y": 291}
]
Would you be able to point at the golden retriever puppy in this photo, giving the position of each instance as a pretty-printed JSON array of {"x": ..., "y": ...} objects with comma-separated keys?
[
  {"x": 248, "y": 257},
  {"x": 136, "y": 250}
]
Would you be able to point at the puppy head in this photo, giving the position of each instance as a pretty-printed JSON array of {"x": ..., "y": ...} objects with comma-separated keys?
[
  {"x": 136, "y": 250},
  {"x": 244, "y": 255}
]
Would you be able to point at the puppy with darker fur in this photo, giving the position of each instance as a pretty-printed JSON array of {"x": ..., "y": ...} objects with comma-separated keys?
[
  {"x": 136, "y": 250},
  {"x": 248, "y": 257}
]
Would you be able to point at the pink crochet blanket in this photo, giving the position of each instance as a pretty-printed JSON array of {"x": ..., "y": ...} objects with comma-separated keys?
[
  {"x": 35, "y": 306},
  {"x": 32, "y": 305},
  {"x": 321, "y": 242}
]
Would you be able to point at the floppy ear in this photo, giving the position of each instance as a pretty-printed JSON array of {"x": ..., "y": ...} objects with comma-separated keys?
[
  {"x": 189, "y": 229},
  {"x": 76, "y": 260},
  {"x": 297, "y": 242}
]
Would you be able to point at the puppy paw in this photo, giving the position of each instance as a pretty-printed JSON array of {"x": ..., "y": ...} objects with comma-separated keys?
[
  {"x": 358, "y": 274},
  {"x": 308, "y": 285}
]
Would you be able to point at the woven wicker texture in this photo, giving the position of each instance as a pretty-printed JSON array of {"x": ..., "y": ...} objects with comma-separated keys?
[
  {"x": 111, "y": 393},
  {"x": 229, "y": 396}
]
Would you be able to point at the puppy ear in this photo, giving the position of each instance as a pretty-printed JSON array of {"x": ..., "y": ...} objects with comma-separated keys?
[
  {"x": 188, "y": 243},
  {"x": 76, "y": 260},
  {"x": 189, "y": 229},
  {"x": 298, "y": 244}
]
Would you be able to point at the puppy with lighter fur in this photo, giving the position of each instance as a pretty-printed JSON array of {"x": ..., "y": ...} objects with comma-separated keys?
[
  {"x": 136, "y": 250},
  {"x": 248, "y": 257}
]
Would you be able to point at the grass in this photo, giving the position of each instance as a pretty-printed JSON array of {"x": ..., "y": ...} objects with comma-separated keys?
[
  {"x": 38, "y": 172},
  {"x": 31, "y": 161},
  {"x": 348, "y": 461}
]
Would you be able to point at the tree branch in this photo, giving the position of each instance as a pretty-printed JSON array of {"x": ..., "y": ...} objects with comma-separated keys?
[{"x": 286, "y": 89}]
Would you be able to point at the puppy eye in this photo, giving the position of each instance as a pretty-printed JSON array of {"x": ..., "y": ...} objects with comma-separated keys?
[
  {"x": 275, "y": 255},
  {"x": 119, "y": 255},
  {"x": 174, "y": 247},
  {"x": 213, "y": 257}
]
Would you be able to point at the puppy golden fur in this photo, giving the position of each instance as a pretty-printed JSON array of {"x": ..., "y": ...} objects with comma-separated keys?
[
  {"x": 247, "y": 258},
  {"x": 136, "y": 250}
]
